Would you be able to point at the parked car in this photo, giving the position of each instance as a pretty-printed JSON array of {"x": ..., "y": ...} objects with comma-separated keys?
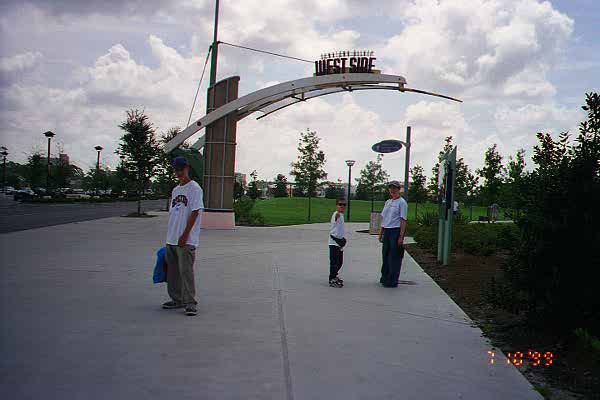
[
  {"x": 24, "y": 194},
  {"x": 9, "y": 190}
]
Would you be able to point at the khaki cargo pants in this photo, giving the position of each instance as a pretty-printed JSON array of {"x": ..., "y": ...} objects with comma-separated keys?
[{"x": 180, "y": 273}]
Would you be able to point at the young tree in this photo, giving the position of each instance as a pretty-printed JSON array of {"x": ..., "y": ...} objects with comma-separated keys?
[
  {"x": 141, "y": 150},
  {"x": 36, "y": 170},
  {"x": 165, "y": 180},
  {"x": 372, "y": 180},
  {"x": 253, "y": 191},
  {"x": 512, "y": 192},
  {"x": 308, "y": 169},
  {"x": 556, "y": 262},
  {"x": 334, "y": 190},
  {"x": 238, "y": 190},
  {"x": 432, "y": 188},
  {"x": 280, "y": 186},
  {"x": 492, "y": 175},
  {"x": 417, "y": 191}
]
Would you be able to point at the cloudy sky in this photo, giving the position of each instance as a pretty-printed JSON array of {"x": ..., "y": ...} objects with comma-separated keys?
[{"x": 521, "y": 66}]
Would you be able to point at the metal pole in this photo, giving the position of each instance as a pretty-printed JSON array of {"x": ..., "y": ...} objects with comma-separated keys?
[
  {"x": 407, "y": 163},
  {"x": 98, "y": 162},
  {"x": 348, "y": 199},
  {"x": 449, "y": 207},
  {"x": 4, "y": 175},
  {"x": 215, "y": 48},
  {"x": 48, "y": 171}
]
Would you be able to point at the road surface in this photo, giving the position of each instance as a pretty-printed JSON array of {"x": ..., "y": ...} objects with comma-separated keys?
[{"x": 16, "y": 216}]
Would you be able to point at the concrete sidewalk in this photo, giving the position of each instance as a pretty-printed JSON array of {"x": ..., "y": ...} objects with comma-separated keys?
[{"x": 82, "y": 320}]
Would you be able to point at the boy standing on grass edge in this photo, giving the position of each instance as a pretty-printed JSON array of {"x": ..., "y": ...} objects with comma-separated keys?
[
  {"x": 336, "y": 244},
  {"x": 183, "y": 235}
]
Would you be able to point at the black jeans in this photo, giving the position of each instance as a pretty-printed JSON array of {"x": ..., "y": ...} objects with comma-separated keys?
[
  {"x": 336, "y": 259},
  {"x": 392, "y": 255}
]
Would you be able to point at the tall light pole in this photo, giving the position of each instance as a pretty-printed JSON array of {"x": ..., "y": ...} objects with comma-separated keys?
[
  {"x": 407, "y": 162},
  {"x": 215, "y": 48},
  {"x": 4, "y": 154},
  {"x": 349, "y": 163},
  {"x": 98, "y": 149},
  {"x": 49, "y": 135}
]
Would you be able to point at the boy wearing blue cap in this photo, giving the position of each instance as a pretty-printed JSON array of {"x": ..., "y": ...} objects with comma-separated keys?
[{"x": 183, "y": 235}]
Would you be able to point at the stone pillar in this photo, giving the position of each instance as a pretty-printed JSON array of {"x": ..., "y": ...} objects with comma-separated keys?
[{"x": 219, "y": 158}]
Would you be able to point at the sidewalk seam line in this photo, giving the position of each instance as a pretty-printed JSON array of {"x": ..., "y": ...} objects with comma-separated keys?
[{"x": 284, "y": 345}]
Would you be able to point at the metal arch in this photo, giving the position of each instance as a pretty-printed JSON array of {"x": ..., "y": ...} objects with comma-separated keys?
[{"x": 276, "y": 97}]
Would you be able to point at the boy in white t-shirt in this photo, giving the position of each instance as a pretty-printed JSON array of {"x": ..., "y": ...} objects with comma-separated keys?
[
  {"x": 336, "y": 244},
  {"x": 183, "y": 235}
]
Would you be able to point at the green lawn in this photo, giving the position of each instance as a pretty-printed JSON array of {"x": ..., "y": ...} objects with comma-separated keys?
[{"x": 292, "y": 211}]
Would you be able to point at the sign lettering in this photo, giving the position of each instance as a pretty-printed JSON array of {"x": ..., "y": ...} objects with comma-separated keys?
[{"x": 342, "y": 62}]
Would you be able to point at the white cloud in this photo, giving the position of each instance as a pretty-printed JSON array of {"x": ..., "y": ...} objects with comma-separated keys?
[
  {"x": 20, "y": 62},
  {"x": 497, "y": 55},
  {"x": 479, "y": 48}
]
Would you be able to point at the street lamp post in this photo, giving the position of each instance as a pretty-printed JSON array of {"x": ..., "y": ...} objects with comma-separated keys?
[
  {"x": 49, "y": 135},
  {"x": 349, "y": 163},
  {"x": 4, "y": 154},
  {"x": 98, "y": 149}
]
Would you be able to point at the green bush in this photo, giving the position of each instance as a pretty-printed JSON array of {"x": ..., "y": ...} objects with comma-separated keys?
[
  {"x": 476, "y": 239},
  {"x": 427, "y": 218},
  {"x": 245, "y": 213},
  {"x": 557, "y": 260}
]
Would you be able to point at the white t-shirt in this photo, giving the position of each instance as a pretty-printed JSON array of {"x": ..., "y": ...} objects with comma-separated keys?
[
  {"x": 184, "y": 200},
  {"x": 393, "y": 211},
  {"x": 337, "y": 229}
]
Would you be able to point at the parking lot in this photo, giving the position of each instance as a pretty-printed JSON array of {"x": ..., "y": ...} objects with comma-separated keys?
[{"x": 17, "y": 216}]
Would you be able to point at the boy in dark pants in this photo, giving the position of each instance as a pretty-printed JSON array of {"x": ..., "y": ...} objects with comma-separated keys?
[
  {"x": 336, "y": 244},
  {"x": 183, "y": 236}
]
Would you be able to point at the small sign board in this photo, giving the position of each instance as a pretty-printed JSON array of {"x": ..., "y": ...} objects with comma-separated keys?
[{"x": 387, "y": 146}]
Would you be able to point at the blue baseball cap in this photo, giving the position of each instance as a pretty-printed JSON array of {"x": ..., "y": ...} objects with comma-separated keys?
[{"x": 180, "y": 162}]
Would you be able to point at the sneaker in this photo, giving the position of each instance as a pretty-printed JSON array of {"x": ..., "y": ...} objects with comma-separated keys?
[
  {"x": 190, "y": 310},
  {"x": 340, "y": 280},
  {"x": 335, "y": 283},
  {"x": 169, "y": 305}
]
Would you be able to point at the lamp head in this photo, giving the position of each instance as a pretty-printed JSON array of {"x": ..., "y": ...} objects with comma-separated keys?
[
  {"x": 350, "y": 162},
  {"x": 98, "y": 148},
  {"x": 49, "y": 134}
]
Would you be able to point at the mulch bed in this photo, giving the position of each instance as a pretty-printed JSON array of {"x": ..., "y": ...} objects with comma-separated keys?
[{"x": 574, "y": 373}]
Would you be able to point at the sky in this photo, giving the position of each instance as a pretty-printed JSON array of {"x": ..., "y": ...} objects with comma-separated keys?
[{"x": 520, "y": 66}]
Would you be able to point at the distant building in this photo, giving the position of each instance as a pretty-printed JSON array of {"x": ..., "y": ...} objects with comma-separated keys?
[
  {"x": 62, "y": 159},
  {"x": 345, "y": 187}
]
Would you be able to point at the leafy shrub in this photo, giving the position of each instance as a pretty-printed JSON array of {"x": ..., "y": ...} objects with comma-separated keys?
[
  {"x": 245, "y": 213},
  {"x": 557, "y": 259},
  {"x": 476, "y": 239},
  {"x": 428, "y": 218},
  {"x": 426, "y": 236}
]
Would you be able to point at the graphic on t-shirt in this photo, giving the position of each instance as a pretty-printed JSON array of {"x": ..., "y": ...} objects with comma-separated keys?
[{"x": 179, "y": 199}]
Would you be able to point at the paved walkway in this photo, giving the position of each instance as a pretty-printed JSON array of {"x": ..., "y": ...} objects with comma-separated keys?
[{"x": 82, "y": 320}]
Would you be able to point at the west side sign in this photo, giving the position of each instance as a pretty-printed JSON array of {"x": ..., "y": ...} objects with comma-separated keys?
[{"x": 341, "y": 62}]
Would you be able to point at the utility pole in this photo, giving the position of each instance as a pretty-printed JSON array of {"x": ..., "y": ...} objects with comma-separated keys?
[{"x": 215, "y": 48}]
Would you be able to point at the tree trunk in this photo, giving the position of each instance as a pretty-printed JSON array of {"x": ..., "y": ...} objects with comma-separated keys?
[
  {"x": 372, "y": 201},
  {"x": 309, "y": 196},
  {"x": 416, "y": 207}
]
